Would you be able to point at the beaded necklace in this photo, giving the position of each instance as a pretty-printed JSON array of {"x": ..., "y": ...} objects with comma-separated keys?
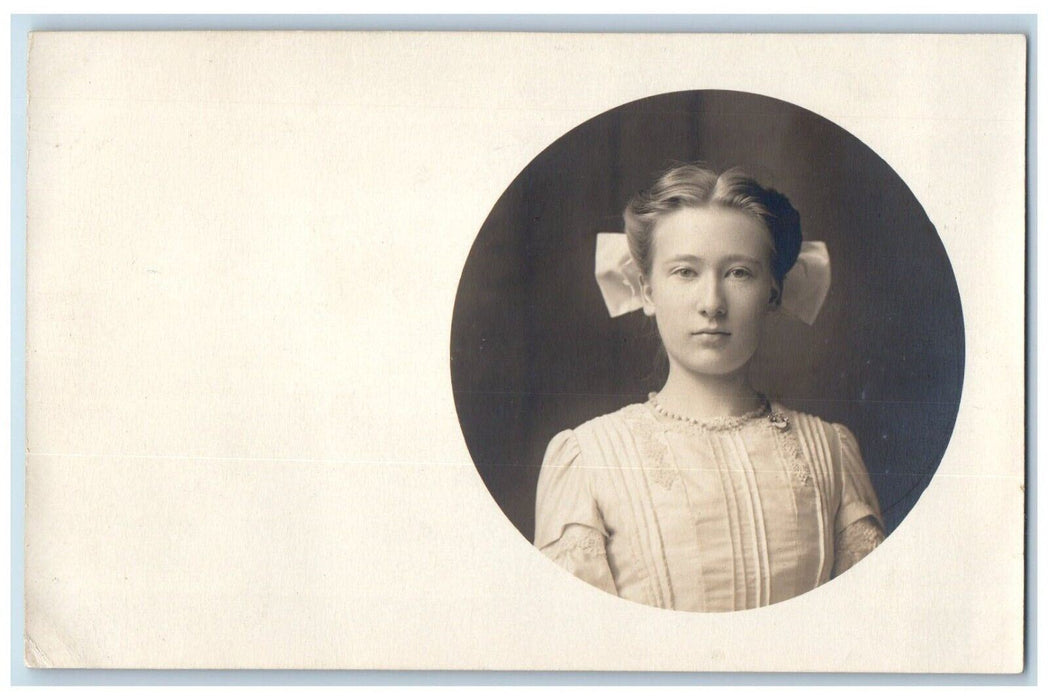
[{"x": 777, "y": 419}]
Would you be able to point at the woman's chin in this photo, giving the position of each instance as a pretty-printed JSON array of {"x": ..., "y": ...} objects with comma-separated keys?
[{"x": 715, "y": 368}]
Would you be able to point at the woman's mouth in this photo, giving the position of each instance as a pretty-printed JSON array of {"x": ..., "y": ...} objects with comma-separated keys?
[{"x": 709, "y": 337}]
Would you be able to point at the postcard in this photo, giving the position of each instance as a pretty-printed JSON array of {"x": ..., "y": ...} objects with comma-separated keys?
[{"x": 639, "y": 352}]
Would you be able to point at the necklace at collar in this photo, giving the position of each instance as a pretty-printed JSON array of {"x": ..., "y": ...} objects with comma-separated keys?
[{"x": 775, "y": 418}]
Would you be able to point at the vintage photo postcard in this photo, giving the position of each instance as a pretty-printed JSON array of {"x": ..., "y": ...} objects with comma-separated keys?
[{"x": 638, "y": 352}]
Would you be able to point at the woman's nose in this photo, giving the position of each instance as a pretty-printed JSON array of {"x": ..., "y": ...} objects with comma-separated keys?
[{"x": 711, "y": 302}]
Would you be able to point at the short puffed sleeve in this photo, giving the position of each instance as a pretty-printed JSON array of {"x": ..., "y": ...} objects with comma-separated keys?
[
  {"x": 568, "y": 526},
  {"x": 858, "y": 499}
]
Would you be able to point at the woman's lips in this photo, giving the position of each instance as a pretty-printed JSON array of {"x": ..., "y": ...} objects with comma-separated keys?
[{"x": 711, "y": 337}]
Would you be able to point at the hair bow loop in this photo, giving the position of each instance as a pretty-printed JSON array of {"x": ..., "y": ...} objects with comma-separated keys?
[
  {"x": 808, "y": 282},
  {"x": 617, "y": 275}
]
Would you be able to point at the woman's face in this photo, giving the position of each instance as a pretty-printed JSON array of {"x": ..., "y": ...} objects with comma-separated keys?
[{"x": 710, "y": 288}]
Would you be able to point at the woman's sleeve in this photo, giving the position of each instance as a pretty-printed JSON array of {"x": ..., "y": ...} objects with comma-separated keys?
[
  {"x": 568, "y": 526},
  {"x": 859, "y": 527}
]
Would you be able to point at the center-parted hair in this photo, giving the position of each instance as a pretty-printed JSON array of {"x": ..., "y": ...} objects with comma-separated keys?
[{"x": 693, "y": 185}]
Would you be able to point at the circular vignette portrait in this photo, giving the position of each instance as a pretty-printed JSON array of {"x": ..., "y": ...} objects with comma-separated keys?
[{"x": 707, "y": 351}]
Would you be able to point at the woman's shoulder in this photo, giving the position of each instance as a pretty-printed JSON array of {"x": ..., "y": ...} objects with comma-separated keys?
[
  {"x": 627, "y": 414},
  {"x": 628, "y": 418},
  {"x": 811, "y": 423},
  {"x": 802, "y": 416}
]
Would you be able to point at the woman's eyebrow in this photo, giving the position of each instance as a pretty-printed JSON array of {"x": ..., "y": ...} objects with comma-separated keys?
[
  {"x": 686, "y": 257},
  {"x": 744, "y": 258}
]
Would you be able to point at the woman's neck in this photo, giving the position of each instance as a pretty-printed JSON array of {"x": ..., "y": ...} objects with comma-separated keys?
[{"x": 708, "y": 396}]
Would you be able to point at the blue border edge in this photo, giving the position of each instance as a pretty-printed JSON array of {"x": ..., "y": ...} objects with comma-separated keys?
[{"x": 21, "y": 25}]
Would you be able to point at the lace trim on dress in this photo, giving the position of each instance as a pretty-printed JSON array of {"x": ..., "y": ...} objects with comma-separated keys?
[
  {"x": 858, "y": 539},
  {"x": 790, "y": 449},
  {"x": 653, "y": 448},
  {"x": 718, "y": 423},
  {"x": 777, "y": 421},
  {"x": 577, "y": 542}
]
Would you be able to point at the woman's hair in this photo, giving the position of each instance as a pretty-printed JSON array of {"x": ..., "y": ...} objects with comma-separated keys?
[{"x": 693, "y": 185}]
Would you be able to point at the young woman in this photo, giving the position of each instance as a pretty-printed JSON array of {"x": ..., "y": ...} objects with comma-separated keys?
[{"x": 708, "y": 497}]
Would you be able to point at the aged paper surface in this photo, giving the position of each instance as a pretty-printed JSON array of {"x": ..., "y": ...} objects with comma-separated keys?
[{"x": 243, "y": 449}]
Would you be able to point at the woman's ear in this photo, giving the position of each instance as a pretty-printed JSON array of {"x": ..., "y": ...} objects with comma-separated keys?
[
  {"x": 773, "y": 300},
  {"x": 645, "y": 294}
]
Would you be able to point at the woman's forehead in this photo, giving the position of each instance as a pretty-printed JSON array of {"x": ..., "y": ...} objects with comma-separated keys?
[{"x": 710, "y": 232}]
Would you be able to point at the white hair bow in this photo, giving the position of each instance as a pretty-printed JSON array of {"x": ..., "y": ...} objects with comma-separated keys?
[{"x": 804, "y": 288}]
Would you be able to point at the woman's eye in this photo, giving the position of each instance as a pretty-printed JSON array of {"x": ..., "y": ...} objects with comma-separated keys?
[
  {"x": 739, "y": 273},
  {"x": 685, "y": 272}
]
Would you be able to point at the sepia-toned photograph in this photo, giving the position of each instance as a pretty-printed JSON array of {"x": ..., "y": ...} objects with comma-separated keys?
[{"x": 758, "y": 377}]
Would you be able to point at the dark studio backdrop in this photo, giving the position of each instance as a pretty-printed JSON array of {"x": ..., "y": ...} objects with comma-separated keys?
[{"x": 533, "y": 350}]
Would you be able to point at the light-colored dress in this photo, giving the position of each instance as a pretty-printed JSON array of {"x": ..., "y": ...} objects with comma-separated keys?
[{"x": 726, "y": 515}]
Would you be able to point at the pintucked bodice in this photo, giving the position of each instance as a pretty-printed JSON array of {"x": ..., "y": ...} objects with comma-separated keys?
[{"x": 718, "y": 517}]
